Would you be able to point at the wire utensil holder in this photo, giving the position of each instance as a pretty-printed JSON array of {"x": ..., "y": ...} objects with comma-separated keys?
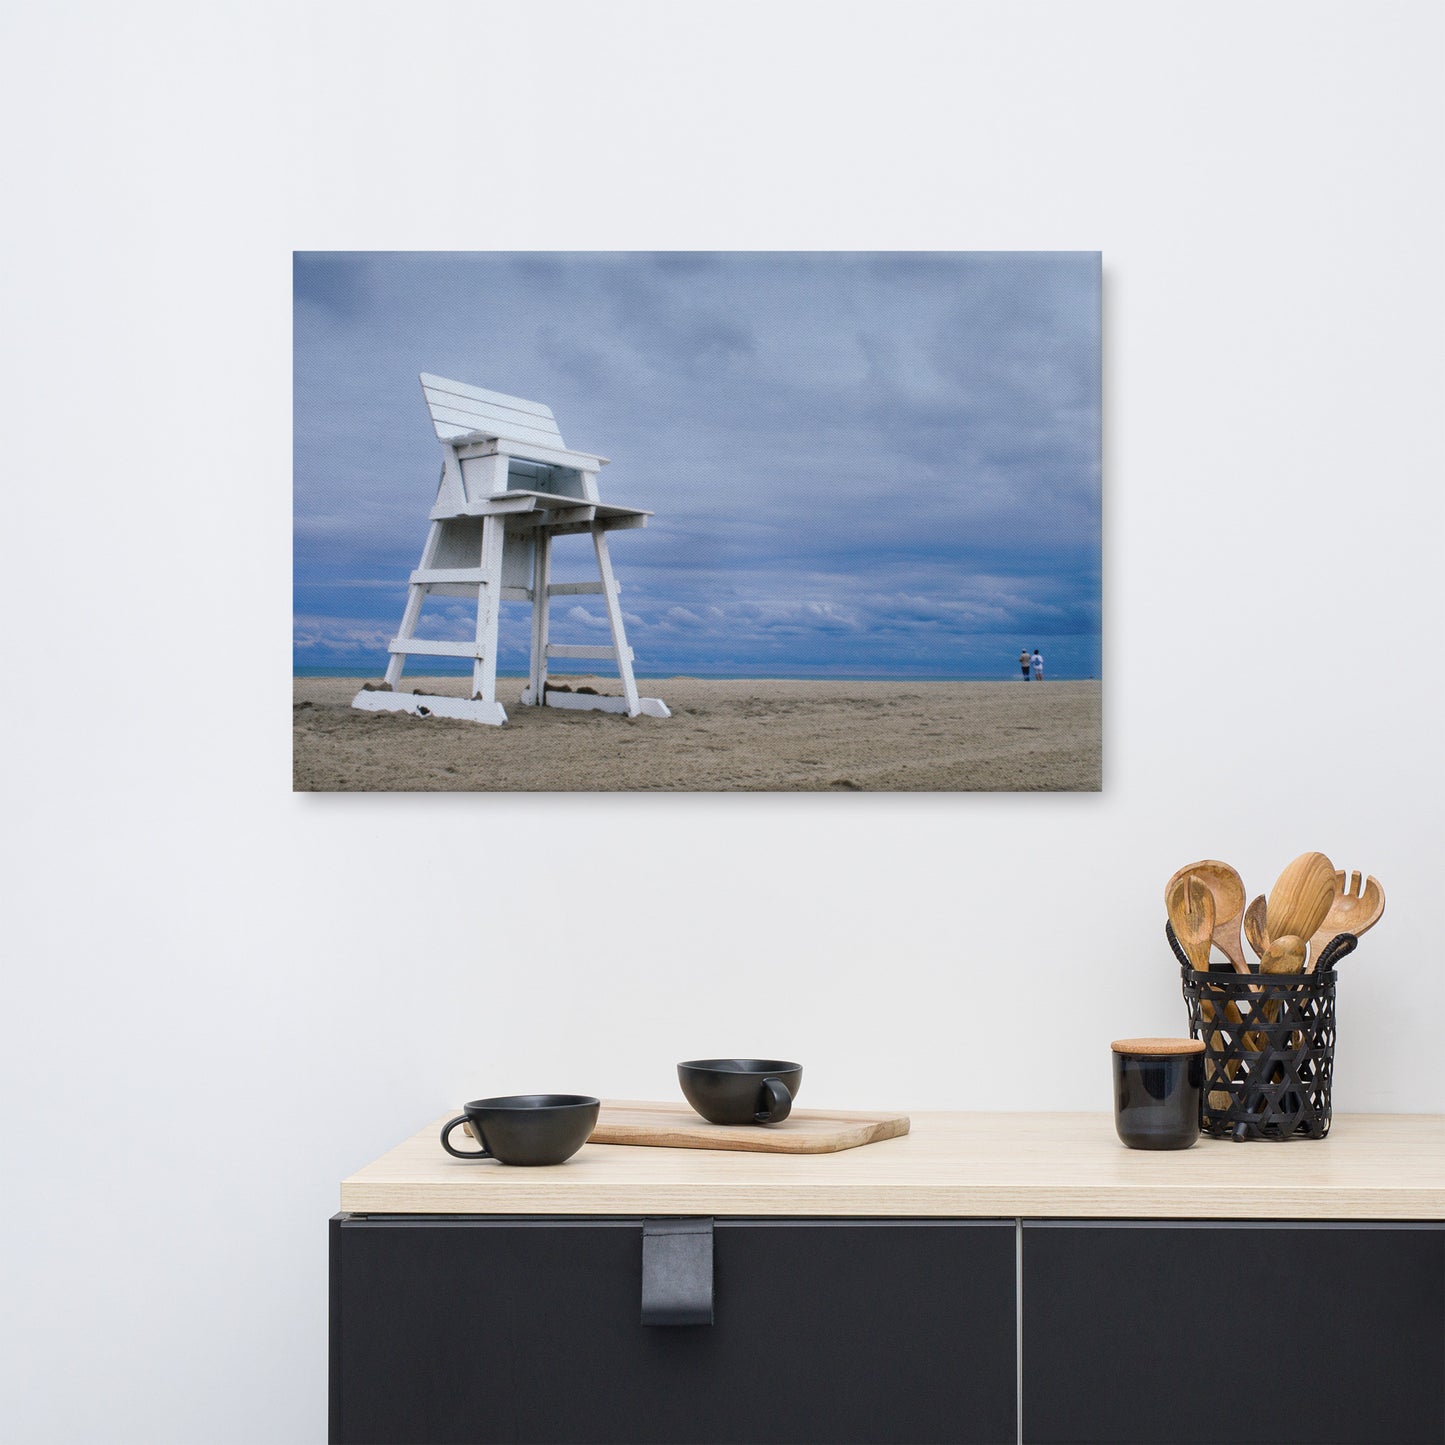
[{"x": 1269, "y": 1046}]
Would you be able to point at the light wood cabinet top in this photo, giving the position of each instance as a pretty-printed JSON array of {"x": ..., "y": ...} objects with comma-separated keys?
[{"x": 1372, "y": 1166}]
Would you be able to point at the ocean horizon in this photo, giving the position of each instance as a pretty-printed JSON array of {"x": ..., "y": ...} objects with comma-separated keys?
[
  {"x": 756, "y": 675},
  {"x": 978, "y": 657}
]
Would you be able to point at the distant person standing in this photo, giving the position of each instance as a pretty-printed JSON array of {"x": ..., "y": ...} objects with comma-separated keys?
[
  {"x": 1038, "y": 662},
  {"x": 1024, "y": 662}
]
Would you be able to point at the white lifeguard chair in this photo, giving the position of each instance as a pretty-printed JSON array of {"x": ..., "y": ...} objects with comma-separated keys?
[{"x": 509, "y": 485}]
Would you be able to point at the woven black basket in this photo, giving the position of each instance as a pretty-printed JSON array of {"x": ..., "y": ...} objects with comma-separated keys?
[{"x": 1269, "y": 1046}]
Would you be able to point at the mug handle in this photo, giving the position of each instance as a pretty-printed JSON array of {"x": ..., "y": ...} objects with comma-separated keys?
[
  {"x": 779, "y": 1102},
  {"x": 447, "y": 1143}
]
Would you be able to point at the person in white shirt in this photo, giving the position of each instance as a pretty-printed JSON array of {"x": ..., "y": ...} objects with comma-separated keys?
[{"x": 1038, "y": 661}]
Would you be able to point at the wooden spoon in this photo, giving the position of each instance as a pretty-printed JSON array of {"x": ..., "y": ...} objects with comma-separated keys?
[
  {"x": 1191, "y": 911},
  {"x": 1284, "y": 955},
  {"x": 1256, "y": 926},
  {"x": 1353, "y": 909},
  {"x": 1228, "y": 890},
  {"x": 1301, "y": 897},
  {"x": 1281, "y": 955}
]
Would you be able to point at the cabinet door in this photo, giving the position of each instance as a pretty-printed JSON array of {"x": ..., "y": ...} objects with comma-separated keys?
[
  {"x": 476, "y": 1330},
  {"x": 1253, "y": 1332}
]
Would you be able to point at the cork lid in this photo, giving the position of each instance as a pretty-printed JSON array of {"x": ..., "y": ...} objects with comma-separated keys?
[{"x": 1158, "y": 1048}]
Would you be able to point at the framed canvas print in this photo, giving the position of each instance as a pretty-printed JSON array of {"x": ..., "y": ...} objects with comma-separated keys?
[{"x": 697, "y": 521}]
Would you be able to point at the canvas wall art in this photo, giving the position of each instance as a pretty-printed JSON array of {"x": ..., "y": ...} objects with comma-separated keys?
[{"x": 696, "y": 521}]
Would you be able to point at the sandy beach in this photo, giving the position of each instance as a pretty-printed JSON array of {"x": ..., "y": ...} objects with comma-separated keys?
[{"x": 724, "y": 736}]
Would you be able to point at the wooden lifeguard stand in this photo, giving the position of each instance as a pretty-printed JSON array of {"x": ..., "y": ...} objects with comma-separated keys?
[{"x": 509, "y": 485}]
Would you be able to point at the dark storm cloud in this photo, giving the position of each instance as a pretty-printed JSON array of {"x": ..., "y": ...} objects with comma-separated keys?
[{"x": 858, "y": 462}]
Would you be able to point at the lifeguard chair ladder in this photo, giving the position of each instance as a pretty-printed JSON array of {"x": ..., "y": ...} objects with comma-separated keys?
[{"x": 509, "y": 485}]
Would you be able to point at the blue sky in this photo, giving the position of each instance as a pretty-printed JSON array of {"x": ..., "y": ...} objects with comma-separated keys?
[{"x": 860, "y": 464}]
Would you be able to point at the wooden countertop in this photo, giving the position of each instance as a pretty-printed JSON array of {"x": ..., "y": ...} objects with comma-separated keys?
[{"x": 1372, "y": 1166}]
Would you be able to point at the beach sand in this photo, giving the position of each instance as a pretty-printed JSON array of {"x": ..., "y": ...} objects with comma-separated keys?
[{"x": 723, "y": 736}]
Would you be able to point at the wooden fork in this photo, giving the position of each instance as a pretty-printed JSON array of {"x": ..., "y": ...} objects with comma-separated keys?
[{"x": 1355, "y": 908}]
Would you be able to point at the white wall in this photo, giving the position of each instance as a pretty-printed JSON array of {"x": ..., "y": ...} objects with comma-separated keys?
[{"x": 222, "y": 998}]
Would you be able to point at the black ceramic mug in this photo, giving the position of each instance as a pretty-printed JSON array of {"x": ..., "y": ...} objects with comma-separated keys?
[
  {"x": 1158, "y": 1088},
  {"x": 525, "y": 1128},
  {"x": 741, "y": 1091}
]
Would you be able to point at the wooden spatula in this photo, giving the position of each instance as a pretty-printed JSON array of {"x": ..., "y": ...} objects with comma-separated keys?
[
  {"x": 1301, "y": 897},
  {"x": 1256, "y": 926}
]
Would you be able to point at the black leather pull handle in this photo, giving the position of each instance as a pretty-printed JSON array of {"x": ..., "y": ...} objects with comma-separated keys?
[{"x": 677, "y": 1271}]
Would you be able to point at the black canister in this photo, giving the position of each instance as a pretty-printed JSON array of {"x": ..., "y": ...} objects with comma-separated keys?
[{"x": 1158, "y": 1085}]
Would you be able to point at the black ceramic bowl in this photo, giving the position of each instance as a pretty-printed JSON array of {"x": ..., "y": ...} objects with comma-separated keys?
[
  {"x": 741, "y": 1091},
  {"x": 526, "y": 1128}
]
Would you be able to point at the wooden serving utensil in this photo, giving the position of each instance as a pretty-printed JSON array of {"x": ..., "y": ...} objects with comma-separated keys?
[
  {"x": 1225, "y": 885},
  {"x": 1354, "y": 908},
  {"x": 1301, "y": 897},
  {"x": 1284, "y": 955},
  {"x": 1256, "y": 926},
  {"x": 1190, "y": 905},
  {"x": 1256, "y": 930}
]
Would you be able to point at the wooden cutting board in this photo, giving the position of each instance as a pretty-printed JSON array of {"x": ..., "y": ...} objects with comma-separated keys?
[{"x": 804, "y": 1131}]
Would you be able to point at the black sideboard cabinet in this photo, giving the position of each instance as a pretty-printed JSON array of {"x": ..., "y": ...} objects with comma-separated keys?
[
  {"x": 1218, "y": 1332},
  {"x": 476, "y": 1329},
  {"x": 486, "y": 1330}
]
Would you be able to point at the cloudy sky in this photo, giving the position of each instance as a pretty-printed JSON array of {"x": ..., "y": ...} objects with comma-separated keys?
[{"x": 860, "y": 464}]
